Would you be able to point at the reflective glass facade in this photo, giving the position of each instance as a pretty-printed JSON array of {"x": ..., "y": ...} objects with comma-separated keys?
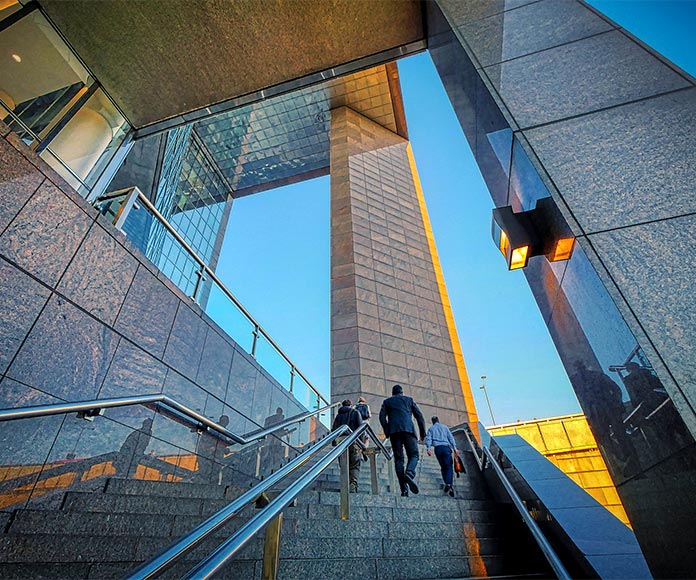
[{"x": 287, "y": 136}]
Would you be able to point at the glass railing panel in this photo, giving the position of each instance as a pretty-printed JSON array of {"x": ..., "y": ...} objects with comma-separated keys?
[
  {"x": 272, "y": 361},
  {"x": 230, "y": 318},
  {"x": 301, "y": 390}
]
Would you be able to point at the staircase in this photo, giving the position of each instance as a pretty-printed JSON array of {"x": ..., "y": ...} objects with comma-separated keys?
[{"x": 105, "y": 534}]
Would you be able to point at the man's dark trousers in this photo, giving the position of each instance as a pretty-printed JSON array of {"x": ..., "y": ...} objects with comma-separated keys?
[
  {"x": 444, "y": 458},
  {"x": 398, "y": 442}
]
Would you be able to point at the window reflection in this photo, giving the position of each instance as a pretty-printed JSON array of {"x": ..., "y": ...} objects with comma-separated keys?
[
  {"x": 627, "y": 406},
  {"x": 50, "y": 100},
  {"x": 40, "y": 78}
]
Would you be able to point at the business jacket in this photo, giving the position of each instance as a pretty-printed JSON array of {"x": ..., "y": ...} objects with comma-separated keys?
[{"x": 395, "y": 416}]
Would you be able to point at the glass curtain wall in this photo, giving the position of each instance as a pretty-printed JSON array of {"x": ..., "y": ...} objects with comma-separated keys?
[{"x": 50, "y": 100}]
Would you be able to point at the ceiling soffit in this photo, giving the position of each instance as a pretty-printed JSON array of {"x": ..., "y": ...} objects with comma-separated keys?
[{"x": 159, "y": 59}]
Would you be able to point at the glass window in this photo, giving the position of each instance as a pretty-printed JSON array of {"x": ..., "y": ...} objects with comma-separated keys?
[
  {"x": 88, "y": 140},
  {"x": 40, "y": 77}
]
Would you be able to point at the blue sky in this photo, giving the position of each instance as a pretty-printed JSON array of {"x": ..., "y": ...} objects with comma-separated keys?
[{"x": 276, "y": 253}]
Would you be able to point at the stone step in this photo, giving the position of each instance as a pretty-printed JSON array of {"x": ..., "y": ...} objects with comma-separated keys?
[
  {"x": 128, "y": 503},
  {"x": 114, "y": 524},
  {"x": 53, "y": 548},
  {"x": 463, "y": 501},
  {"x": 373, "y": 529},
  {"x": 414, "y": 568},
  {"x": 247, "y": 569},
  {"x": 167, "y": 489},
  {"x": 389, "y": 514}
]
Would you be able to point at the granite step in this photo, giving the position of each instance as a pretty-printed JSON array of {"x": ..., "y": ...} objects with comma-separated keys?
[
  {"x": 75, "y": 548},
  {"x": 171, "y": 489}
]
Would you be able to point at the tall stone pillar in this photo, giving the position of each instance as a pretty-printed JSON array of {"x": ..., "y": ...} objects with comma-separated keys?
[{"x": 391, "y": 321}]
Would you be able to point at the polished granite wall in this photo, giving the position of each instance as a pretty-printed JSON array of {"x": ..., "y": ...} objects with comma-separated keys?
[
  {"x": 390, "y": 317},
  {"x": 558, "y": 101},
  {"x": 85, "y": 315}
]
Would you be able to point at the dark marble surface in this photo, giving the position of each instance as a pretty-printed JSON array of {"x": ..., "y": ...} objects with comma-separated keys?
[
  {"x": 21, "y": 300},
  {"x": 19, "y": 179},
  {"x": 531, "y": 28},
  {"x": 48, "y": 225},
  {"x": 653, "y": 266},
  {"x": 584, "y": 76},
  {"x": 147, "y": 314},
  {"x": 626, "y": 165},
  {"x": 99, "y": 276},
  {"x": 186, "y": 342},
  {"x": 66, "y": 354},
  {"x": 216, "y": 363},
  {"x": 591, "y": 528}
]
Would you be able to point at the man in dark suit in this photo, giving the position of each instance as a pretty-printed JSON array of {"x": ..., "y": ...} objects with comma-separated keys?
[{"x": 395, "y": 418}]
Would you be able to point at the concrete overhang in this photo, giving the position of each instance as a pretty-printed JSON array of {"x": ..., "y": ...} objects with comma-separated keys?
[{"x": 165, "y": 62}]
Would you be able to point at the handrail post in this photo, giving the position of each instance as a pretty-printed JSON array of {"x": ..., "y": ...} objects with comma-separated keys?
[
  {"x": 292, "y": 377},
  {"x": 256, "y": 339},
  {"x": 200, "y": 279},
  {"x": 373, "y": 472},
  {"x": 271, "y": 549},
  {"x": 343, "y": 462}
]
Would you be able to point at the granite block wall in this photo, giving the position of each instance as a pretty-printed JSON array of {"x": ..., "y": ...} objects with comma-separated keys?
[
  {"x": 390, "y": 317},
  {"x": 83, "y": 315},
  {"x": 558, "y": 101}
]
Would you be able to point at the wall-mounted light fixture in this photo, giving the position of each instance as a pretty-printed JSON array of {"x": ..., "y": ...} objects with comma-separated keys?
[{"x": 539, "y": 231}]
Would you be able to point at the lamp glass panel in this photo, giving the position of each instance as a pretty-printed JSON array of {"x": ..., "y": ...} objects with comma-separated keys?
[
  {"x": 518, "y": 258},
  {"x": 504, "y": 243},
  {"x": 563, "y": 250}
]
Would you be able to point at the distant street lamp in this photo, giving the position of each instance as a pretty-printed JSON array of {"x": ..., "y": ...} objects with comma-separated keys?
[{"x": 483, "y": 388}]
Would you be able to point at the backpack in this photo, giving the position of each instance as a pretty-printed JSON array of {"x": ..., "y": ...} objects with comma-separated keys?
[{"x": 364, "y": 410}]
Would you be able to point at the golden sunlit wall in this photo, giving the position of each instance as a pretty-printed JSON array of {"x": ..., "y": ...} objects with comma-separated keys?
[{"x": 569, "y": 444}]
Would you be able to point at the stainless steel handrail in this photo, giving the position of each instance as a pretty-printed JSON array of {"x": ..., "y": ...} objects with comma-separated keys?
[
  {"x": 215, "y": 561},
  {"x": 148, "y": 204},
  {"x": 387, "y": 452},
  {"x": 544, "y": 545},
  {"x": 165, "y": 559},
  {"x": 94, "y": 407}
]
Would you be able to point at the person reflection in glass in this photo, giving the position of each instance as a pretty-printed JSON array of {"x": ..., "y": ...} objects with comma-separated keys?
[
  {"x": 654, "y": 414},
  {"x": 133, "y": 450},
  {"x": 274, "y": 448},
  {"x": 211, "y": 454},
  {"x": 605, "y": 411}
]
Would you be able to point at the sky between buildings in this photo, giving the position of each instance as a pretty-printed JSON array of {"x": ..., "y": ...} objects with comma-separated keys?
[{"x": 276, "y": 253}]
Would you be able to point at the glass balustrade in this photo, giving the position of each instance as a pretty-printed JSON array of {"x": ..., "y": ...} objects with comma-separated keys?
[{"x": 131, "y": 212}]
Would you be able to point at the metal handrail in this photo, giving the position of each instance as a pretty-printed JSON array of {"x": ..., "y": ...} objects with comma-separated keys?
[
  {"x": 94, "y": 407},
  {"x": 541, "y": 540},
  {"x": 258, "y": 329},
  {"x": 222, "y": 554},
  {"x": 215, "y": 561},
  {"x": 165, "y": 559},
  {"x": 387, "y": 452}
]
